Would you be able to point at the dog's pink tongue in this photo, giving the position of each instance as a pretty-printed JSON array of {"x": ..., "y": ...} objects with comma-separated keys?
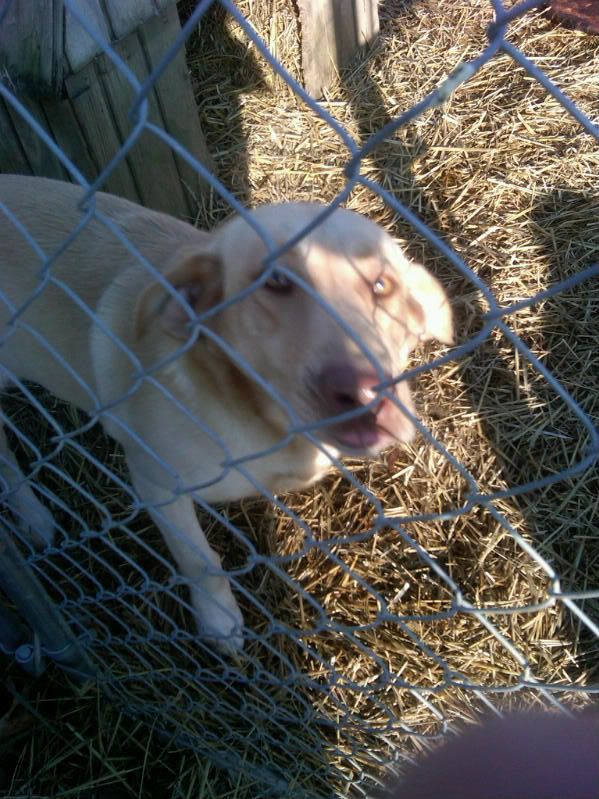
[
  {"x": 371, "y": 433},
  {"x": 358, "y": 437}
]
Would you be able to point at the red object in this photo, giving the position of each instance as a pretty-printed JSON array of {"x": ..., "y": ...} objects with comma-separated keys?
[
  {"x": 583, "y": 14},
  {"x": 522, "y": 756}
]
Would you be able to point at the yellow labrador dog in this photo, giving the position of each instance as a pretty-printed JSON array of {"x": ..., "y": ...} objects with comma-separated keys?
[{"x": 128, "y": 344}]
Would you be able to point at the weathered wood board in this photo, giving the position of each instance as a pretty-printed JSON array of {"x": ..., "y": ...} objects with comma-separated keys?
[
  {"x": 332, "y": 31},
  {"x": 94, "y": 117},
  {"x": 175, "y": 99},
  {"x": 79, "y": 46},
  {"x": 42, "y": 160},
  {"x": 90, "y": 117},
  {"x": 29, "y": 33},
  {"x": 12, "y": 155},
  {"x": 36, "y": 35},
  {"x": 127, "y": 16},
  {"x": 67, "y": 133}
]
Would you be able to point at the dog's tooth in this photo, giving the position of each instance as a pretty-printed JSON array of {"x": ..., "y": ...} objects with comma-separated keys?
[{"x": 367, "y": 394}]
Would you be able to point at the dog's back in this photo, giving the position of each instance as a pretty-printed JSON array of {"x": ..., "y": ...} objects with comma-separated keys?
[{"x": 55, "y": 307}]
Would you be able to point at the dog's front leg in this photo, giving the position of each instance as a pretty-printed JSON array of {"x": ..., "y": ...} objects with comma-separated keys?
[{"x": 216, "y": 610}]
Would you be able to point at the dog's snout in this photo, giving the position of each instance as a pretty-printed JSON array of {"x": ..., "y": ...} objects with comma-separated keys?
[{"x": 345, "y": 388}]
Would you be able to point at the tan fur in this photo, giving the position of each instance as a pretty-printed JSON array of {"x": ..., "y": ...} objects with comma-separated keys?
[{"x": 288, "y": 338}]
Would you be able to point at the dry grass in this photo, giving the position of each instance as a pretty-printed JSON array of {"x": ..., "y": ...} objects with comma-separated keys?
[{"x": 506, "y": 176}]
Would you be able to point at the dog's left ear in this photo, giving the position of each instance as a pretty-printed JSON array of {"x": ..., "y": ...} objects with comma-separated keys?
[
  {"x": 196, "y": 279},
  {"x": 429, "y": 311}
]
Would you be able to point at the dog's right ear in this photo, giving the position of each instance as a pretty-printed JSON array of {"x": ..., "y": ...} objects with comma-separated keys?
[{"x": 196, "y": 279}]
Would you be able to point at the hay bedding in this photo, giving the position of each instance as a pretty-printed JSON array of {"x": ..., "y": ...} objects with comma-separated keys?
[{"x": 508, "y": 178}]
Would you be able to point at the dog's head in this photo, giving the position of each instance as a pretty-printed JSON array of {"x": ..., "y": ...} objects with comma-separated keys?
[{"x": 326, "y": 358}]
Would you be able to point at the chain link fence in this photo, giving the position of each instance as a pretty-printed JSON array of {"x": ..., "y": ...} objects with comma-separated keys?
[{"x": 301, "y": 716}]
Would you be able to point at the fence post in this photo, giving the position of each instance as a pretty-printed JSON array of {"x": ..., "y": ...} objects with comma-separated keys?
[
  {"x": 332, "y": 31},
  {"x": 16, "y": 641},
  {"x": 57, "y": 641}
]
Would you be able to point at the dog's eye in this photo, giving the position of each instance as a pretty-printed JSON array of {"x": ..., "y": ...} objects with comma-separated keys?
[
  {"x": 383, "y": 286},
  {"x": 279, "y": 283}
]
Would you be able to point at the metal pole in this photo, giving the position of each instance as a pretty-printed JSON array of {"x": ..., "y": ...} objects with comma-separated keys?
[{"x": 54, "y": 637}]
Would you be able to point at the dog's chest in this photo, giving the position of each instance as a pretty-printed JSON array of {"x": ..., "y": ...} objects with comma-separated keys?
[{"x": 290, "y": 469}]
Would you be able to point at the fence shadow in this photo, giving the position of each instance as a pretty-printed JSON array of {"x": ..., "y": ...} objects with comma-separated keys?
[
  {"x": 222, "y": 69},
  {"x": 563, "y": 226},
  {"x": 566, "y": 228},
  {"x": 532, "y": 432},
  {"x": 393, "y": 160}
]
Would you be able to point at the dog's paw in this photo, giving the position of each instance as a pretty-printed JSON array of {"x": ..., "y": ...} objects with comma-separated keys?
[
  {"x": 33, "y": 518},
  {"x": 219, "y": 620}
]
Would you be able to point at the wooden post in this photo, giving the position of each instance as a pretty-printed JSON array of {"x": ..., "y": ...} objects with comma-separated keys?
[
  {"x": 176, "y": 102},
  {"x": 47, "y": 165},
  {"x": 332, "y": 31},
  {"x": 12, "y": 155},
  {"x": 29, "y": 55},
  {"x": 83, "y": 100},
  {"x": 94, "y": 119}
]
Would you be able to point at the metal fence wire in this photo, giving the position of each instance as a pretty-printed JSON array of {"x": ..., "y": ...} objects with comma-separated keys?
[{"x": 104, "y": 601}]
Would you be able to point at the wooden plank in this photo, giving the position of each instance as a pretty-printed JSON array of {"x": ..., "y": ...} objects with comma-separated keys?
[
  {"x": 31, "y": 35},
  {"x": 151, "y": 160},
  {"x": 177, "y": 102},
  {"x": 344, "y": 32},
  {"x": 12, "y": 158},
  {"x": 127, "y": 15},
  {"x": 79, "y": 47},
  {"x": 367, "y": 21},
  {"x": 318, "y": 45},
  {"x": 41, "y": 159},
  {"x": 95, "y": 120},
  {"x": 332, "y": 31},
  {"x": 112, "y": 19},
  {"x": 66, "y": 131}
]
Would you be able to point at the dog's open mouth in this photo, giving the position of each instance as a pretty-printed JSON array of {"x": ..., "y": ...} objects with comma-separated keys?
[
  {"x": 360, "y": 435},
  {"x": 359, "y": 419},
  {"x": 372, "y": 431}
]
